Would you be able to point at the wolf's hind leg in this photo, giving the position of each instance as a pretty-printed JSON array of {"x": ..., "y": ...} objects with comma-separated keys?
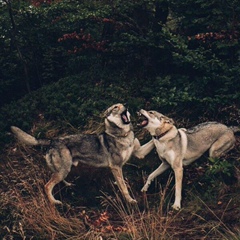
[
  {"x": 55, "y": 179},
  {"x": 61, "y": 162},
  {"x": 224, "y": 144}
]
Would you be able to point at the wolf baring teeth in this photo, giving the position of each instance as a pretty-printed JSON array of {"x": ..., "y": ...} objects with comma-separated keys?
[
  {"x": 180, "y": 147},
  {"x": 125, "y": 117},
  {"x": 143, "y": 120},
  {"x": 113, "y": 148}
]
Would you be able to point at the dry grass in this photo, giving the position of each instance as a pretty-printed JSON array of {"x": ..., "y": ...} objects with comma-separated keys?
[
  {"x": 161, "y": 222},
  {"x": 27, "y": 214},
  {"x": 151, "y": 223},
  {"x": 23, "y": 203}
]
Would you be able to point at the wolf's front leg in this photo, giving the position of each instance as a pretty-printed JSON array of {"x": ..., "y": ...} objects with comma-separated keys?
[
  {"x": 118, "y": 175},
  {"x": 162, "y": 168},
  {"x": 141, "y": 151}
]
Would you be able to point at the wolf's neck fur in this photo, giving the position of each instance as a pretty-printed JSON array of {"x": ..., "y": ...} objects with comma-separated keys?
[
  {"x": 162, "y": 131},
  {"x": 117, "y": 135},
  {"x": 114, "y": 130}
]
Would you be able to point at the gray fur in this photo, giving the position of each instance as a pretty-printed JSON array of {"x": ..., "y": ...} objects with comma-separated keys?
[
  {"x": 112, "y": 149},
  {"x": 180, "y": 147}
]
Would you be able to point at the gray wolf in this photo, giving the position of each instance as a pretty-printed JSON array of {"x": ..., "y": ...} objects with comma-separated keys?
[
  {"x": 180, "y": 147},
  {"x": 113, "y": 148}
]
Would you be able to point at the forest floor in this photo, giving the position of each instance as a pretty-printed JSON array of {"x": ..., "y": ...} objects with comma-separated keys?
[{"x": 94, "y": 209}]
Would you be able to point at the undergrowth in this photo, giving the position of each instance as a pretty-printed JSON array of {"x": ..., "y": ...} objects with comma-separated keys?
[{"x": 27, "y": 214}]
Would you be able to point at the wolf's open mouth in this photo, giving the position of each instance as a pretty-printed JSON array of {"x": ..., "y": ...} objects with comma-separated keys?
[
  {"x": 143, "y": 121},
  {"x": 125, "y": 118}
]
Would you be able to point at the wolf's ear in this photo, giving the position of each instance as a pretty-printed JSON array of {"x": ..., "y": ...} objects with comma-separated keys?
[
  {"x": 169, "y": 120},
  {"x": 108, "y": 111}
]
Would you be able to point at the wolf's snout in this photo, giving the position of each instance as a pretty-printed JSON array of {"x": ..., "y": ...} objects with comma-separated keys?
[{"x": 143, "y": 120}]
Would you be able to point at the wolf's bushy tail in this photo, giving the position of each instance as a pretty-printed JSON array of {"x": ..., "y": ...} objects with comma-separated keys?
[{"x": 28, "y": 139}]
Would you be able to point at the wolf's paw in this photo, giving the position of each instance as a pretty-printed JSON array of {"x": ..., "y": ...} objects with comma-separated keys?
[
  {"x": 176, "y": 207},
  {"x": 56, "y": 202},
  {"x": 68, "y": 184},
  {"x": 132, "y": 201},
  {"x": 145, "y": 188}
]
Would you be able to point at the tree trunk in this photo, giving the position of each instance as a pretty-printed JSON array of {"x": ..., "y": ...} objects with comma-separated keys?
[{"x": 14, "y": 32}]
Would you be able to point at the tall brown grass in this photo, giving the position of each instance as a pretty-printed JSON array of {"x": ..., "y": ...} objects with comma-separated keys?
[
  {"x": 161, "y": 222},
  {"x": 24, "y": 203},
  {"x": 27, "y": 214},
  {"x": 155, "y": 222}
]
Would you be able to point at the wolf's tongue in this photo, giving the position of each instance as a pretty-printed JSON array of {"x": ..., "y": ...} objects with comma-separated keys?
[
  {"x": 143, "y": 123},
  {"x": 124, "y": 118}
]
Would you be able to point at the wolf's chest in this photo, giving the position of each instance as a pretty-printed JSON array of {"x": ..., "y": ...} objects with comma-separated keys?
[
  {"x": 127, "y": 152},
  {"x": 161, "y": 148},
  {"x": 164, "y": 151}
]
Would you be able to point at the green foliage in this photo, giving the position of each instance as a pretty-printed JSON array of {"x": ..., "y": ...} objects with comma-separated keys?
[
  {"x": 219, "y": 176},
  {"x": 70, "y": 101},
  {"x": 153, "y": 55},
  {"x": 196, "y": 16},
  {"x": 220, "y": 166},
  {"x": 140, "y": 41}
]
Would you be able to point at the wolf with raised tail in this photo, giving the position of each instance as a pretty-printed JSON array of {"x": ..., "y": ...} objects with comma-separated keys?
[{"x": 113, "y": 148}]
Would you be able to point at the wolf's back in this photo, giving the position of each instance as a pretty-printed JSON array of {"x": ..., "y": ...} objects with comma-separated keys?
[{"x": 28, "y": 139}]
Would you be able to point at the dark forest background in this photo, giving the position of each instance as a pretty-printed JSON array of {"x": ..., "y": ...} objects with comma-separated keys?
[
  {"x": 64, "y": 62},
  {"x": 71, "y": 59}
]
